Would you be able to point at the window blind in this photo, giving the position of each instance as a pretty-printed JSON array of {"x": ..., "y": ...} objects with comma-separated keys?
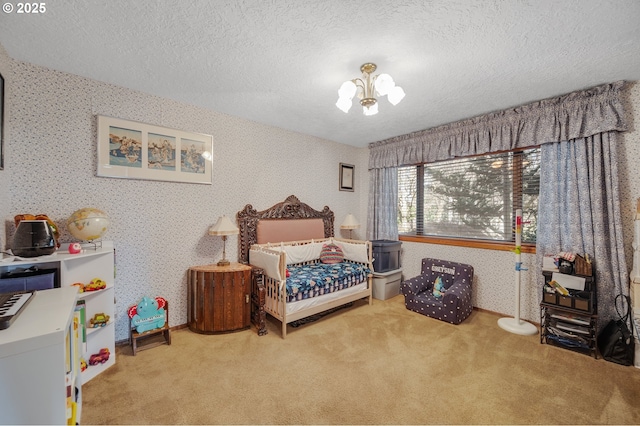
[{"x": 472, "y": 197}]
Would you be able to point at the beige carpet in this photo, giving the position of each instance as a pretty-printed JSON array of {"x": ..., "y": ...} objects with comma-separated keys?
[{"x": 379, "y": 364}]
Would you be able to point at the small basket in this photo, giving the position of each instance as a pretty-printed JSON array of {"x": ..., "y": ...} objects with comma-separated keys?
[{"x": 582, "y": 267}]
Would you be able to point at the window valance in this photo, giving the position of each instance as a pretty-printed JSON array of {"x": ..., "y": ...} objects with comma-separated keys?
[{"x": 575, "y": 115}]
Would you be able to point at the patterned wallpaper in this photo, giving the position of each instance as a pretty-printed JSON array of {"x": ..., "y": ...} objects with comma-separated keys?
[{"x": 159, "y": 228}]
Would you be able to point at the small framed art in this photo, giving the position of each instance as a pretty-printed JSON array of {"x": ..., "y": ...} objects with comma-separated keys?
[
  {"x": 346, "y": 176},
  {"x": 133, "y": 150}
]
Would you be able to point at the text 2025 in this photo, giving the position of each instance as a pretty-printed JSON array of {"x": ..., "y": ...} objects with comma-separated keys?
[{"x": 31, "y": 7}]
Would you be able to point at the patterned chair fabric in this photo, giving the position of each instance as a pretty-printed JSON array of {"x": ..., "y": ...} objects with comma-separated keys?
[{"x": 455, "y": 305}]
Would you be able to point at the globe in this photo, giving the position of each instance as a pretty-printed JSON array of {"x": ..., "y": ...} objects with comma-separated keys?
[{"x": 88, "y": 224}]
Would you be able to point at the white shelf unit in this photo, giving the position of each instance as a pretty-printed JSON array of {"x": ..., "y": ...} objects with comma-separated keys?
[
  {"x": 38, "y": 368},
  {"x": 82, "y": 268}
]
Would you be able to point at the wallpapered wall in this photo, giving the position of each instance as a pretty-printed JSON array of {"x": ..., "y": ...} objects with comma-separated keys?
[{"x": 159, "y": 229}]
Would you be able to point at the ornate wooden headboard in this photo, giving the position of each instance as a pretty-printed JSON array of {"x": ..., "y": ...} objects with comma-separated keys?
[{"x": 291, "y": 208}]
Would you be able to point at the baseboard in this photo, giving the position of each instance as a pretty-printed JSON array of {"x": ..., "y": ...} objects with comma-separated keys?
[
  {"x": 185, "y": 325},
  {"x": 126, "y": 342}
]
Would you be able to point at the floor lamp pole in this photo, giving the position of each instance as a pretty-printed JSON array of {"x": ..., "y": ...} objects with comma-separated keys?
[{"x": 516, "y": 325}]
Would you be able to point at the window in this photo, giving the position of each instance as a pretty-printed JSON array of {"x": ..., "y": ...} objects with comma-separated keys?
[{"x": 471, "y": 198}]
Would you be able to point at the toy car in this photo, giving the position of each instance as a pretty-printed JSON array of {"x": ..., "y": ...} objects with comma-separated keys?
[
  {"x": 95, "y": 284},
  {"x": 80, "y": 287},
  {"x": 99, "y": 358},
  {"x": 99, "y": 320}
]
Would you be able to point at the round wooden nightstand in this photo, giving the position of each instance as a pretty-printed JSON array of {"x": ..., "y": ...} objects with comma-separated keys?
[{"x": 219, "y": 298}]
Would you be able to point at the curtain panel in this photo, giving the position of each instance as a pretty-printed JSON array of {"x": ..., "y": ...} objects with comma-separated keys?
[
  {"x": 382, "y": 223},
  {"x": 575, "y": 115},
  {"x": 579, "y": 211}
]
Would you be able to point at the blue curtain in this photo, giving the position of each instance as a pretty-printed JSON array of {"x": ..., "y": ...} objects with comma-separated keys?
[{"x": 579, "y": 211}]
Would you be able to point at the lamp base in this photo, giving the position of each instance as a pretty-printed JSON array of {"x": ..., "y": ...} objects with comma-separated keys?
[
  {"x": 224, "y": 262},
  {"x": 512, "y": 325}
]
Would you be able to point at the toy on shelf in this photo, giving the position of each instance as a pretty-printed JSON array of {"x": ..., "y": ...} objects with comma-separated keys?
[
  {"x": 99, "y": 320},
  {"x": 558, "y": 288},
  {"x": 83, "y": 364},
  {"x": 74, "y": 248},
  {"x": 99, "y": 358},
  {"x": 148, "y": 314},
  {"x": 95, "y": 284},
  {"x": 80, "y": 287}
]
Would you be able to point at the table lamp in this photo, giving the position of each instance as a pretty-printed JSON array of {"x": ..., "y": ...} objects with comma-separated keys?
[
  {"x": 350, "y": 222},
  {"x": 224, "y": 227}
]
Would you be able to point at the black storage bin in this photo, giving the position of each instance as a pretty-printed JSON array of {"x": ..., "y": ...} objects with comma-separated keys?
[{"x": 386, "y": 255}]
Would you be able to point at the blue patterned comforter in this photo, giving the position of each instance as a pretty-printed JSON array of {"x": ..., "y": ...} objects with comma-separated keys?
[{"x": 307, "y": 281}]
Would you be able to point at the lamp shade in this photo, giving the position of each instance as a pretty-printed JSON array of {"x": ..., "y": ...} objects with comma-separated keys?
[
  {"x": 384, "y": 84},
  {"x": 223, "y": 227},
  {"x": 396, "y": 94},
  {"x": 344, "y": 104},
  {"x": 370, "y": 110},
  {"x": 350, "y": 222},
  {"x": 347, "y": 90}
]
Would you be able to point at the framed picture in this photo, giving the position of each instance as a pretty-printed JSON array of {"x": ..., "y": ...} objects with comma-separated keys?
[
  {"x": 1, "y": 122},
  {"x": 133, "y": 150},
  {"x": 346, "y": 177}
]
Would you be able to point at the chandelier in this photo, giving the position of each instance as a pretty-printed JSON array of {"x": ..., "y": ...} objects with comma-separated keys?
[{"x": 367, "y": 88}]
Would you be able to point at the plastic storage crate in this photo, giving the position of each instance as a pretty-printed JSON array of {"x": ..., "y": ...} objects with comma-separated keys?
[
  {"x": 386, "y": 284},
  {"x": 386, "y": 255}
]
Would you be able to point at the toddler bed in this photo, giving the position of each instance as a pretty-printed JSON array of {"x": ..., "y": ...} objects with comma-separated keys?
[{"x": 284, "y": 244}]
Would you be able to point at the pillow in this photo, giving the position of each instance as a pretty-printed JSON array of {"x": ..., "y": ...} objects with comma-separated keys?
[
  {"x": 355, "y": 252},
  {"x": 331, "y": 253},
  {"x": 302, "y": 253},
  {"x": 438, "y": 288}
]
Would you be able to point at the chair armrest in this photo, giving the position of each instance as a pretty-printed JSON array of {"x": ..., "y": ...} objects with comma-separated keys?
[
  {"x": 415, "y": 285},
  {"x": 458, "y": 291}
]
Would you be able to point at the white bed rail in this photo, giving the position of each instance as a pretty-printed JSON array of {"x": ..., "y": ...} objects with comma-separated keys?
[{"x": 272, "y": 259}]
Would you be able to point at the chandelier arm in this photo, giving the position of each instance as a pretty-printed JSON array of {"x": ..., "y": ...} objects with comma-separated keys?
[{"x": 361, "y": 85}]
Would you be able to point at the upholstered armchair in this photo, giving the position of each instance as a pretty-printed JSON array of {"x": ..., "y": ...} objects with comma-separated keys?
[{"x": 454, "y": 302}]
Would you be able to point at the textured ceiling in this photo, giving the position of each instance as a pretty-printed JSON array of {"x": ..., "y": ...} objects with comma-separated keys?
[{"x": 280, "y": 62}]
